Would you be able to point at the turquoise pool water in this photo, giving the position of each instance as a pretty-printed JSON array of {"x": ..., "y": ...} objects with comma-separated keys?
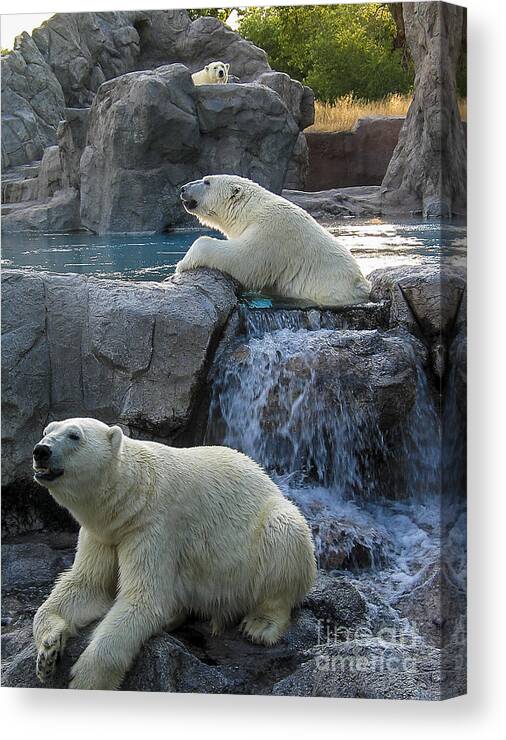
[{"x": 374, "y": 243}]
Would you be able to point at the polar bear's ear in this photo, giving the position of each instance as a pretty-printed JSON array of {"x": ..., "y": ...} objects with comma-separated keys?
[
  {"x": 227, "y": 67},
  {"x": 206, "y": 68},
  {"x": 115, "y": 434}
]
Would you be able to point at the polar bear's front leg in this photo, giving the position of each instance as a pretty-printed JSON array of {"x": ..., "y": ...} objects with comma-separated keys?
[
  {"x": 115, "y": 643},
  {"x": 141, "y": 609},
  {"x": 204, "y": 252},
  {"x": 80, "y": 596}
]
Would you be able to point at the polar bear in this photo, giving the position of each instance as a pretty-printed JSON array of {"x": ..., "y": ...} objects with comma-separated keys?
[
  {"x": 272, "y": 245},
  {"x": 165, "y": 533},
  {"x": 215, "y": 73}
]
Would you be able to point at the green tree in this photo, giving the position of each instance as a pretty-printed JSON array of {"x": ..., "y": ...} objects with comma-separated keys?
[
  {"x": 336, "y": 49},
  {"x": 220, "y": 13}
]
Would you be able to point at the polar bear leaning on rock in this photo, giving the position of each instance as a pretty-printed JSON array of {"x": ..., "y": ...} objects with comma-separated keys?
[
  {"x": 271, "y": 244},
  {"x": 215, "y": 73},
  {"x": 165, "y": 532}
]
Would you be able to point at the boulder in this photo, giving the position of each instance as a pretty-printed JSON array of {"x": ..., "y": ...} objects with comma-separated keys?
[
  {"x": 428, "y": 169},
  {"x": 49, "y": 177},
  {"x": 342, "y": 543},
  {"x": 85, "y": 49},
  {"x": 32, "y": 564},
  {"x": 59, "y": 213},
  {"x": 296, "y": 174},
  {"x": 150, "y": 132},
  {"x": 434, "y": 604},
  {"x": 337, "y": 604},
  {"x": 328, "y": 205},
  {"x": 425, "y": 299},
  {"x": 168, "y": 36},
  {"x": 124, "y": 352},
  {"x": 71, "y": 136},
  {"x": 298, "y": 98},
  {"x": 371, "y": 668},
  {"x": 32, "y": 103},
  {"x": 65, "y": 60}
]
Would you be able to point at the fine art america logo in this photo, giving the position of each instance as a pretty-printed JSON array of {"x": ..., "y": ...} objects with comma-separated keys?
[{"x": 346, "y": 650}]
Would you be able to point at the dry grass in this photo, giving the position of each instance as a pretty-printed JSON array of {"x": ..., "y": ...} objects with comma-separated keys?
[{"x": 345, "y": 112}]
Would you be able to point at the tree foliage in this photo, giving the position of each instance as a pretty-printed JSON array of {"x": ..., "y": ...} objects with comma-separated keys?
[
  {"x": 336, "y": 49},
  {"x": 220, "y": 13}
]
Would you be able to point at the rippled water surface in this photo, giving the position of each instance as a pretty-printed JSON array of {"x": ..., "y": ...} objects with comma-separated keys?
[{"x": 153, "y": 257}]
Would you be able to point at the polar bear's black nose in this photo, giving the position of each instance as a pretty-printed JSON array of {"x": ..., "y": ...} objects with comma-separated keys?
[
  {"x": 42, "y": 453},
  {"x": 220, "y": 73}
]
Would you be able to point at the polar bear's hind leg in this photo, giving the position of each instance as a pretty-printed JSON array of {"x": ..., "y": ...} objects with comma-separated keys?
[{"x": 267, "y": 623}]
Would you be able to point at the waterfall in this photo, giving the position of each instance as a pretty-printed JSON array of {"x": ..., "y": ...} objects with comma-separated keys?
[{"x": 275, "y": 397}]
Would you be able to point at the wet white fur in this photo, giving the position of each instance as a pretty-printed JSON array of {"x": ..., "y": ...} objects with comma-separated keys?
[
  {"x": 166, "y": 532},
  {"x": 209, "y": 75},
  {"x": 271, "y": 245}
]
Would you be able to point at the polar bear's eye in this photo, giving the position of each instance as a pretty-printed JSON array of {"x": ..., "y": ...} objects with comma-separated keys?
[
  {"x": 207, "y": 182},
  {"x": 75, "y": 437}
]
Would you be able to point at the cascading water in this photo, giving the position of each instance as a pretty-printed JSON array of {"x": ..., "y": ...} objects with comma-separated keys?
[{"x": 369, "y": 482}]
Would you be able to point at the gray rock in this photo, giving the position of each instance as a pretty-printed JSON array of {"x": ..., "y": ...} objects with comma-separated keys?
[
  {"x": 169, "y": 36},
  {"x": 59, "y": 213},
  {"x": 150, "y": 132},
  {"x": 434, "y": 604},
  {"x": 32, "y": 103},
  {"x": 328, "y": 205},
  {"x": 166, "y": 665},
  {"x": 298, "y": 166},
  {"x": 85, "y": 49},
  {"x": 427, "y": 172},
  {"x": 335, "y": 602},
  {"x": 31, "y": 564},
  {"x": 426, "y": 300},
  {"x": 129, "y": 353},
  {"x": 370, "y": 668},
  {"x": 64, "y": 62},
  {"x": 49, "y": 177},
  {"x": 290, "y": 91},
  {"x": 345, "y": 544},
  {"x": 71, "y": 136},
  {"x": 375, "y": 371}
]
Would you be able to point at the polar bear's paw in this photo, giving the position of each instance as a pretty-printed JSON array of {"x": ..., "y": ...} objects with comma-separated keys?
[
  {"x": 267, "y": 626},
  {"x": 50, "y": 651},
  {"x": 87, "y": 673}
]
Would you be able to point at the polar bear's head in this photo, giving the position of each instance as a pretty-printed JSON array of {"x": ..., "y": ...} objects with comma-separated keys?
[
  {"x": 218, "y": 201},
  {"x": 218, "y": 72},
  {"x": 75, "y": 454}
]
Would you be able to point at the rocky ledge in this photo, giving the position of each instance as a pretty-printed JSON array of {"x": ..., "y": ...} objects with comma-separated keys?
[{"x": 351, "y": 663}]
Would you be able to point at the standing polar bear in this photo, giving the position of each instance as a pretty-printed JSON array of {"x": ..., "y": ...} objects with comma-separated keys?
[
  {"x": 165, "y": 532},
  {"x": 215, "y": 73},
  {"x": 271, "y": 244}
]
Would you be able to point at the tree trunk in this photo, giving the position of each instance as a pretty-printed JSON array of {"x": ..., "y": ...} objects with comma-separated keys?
[{"x": 427, "y": 172}]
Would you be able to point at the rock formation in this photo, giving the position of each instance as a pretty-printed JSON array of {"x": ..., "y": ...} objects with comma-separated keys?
[
  {"x": 148, "y": 130},
  {"x": 427, "y": 172}
]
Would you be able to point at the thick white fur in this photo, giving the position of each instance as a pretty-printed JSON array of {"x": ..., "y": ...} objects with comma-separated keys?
[
  {"x": 166, "y": 532},
  {"x": 210, "y": 75},
  {"x": 271, "y": 245}
]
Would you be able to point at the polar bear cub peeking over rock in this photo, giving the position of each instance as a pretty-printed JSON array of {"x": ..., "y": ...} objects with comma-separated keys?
[
  {"x": 165, "y": 532},
  {"x": 272, "y": 244},
  {"x": 215, "y": 73}
]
